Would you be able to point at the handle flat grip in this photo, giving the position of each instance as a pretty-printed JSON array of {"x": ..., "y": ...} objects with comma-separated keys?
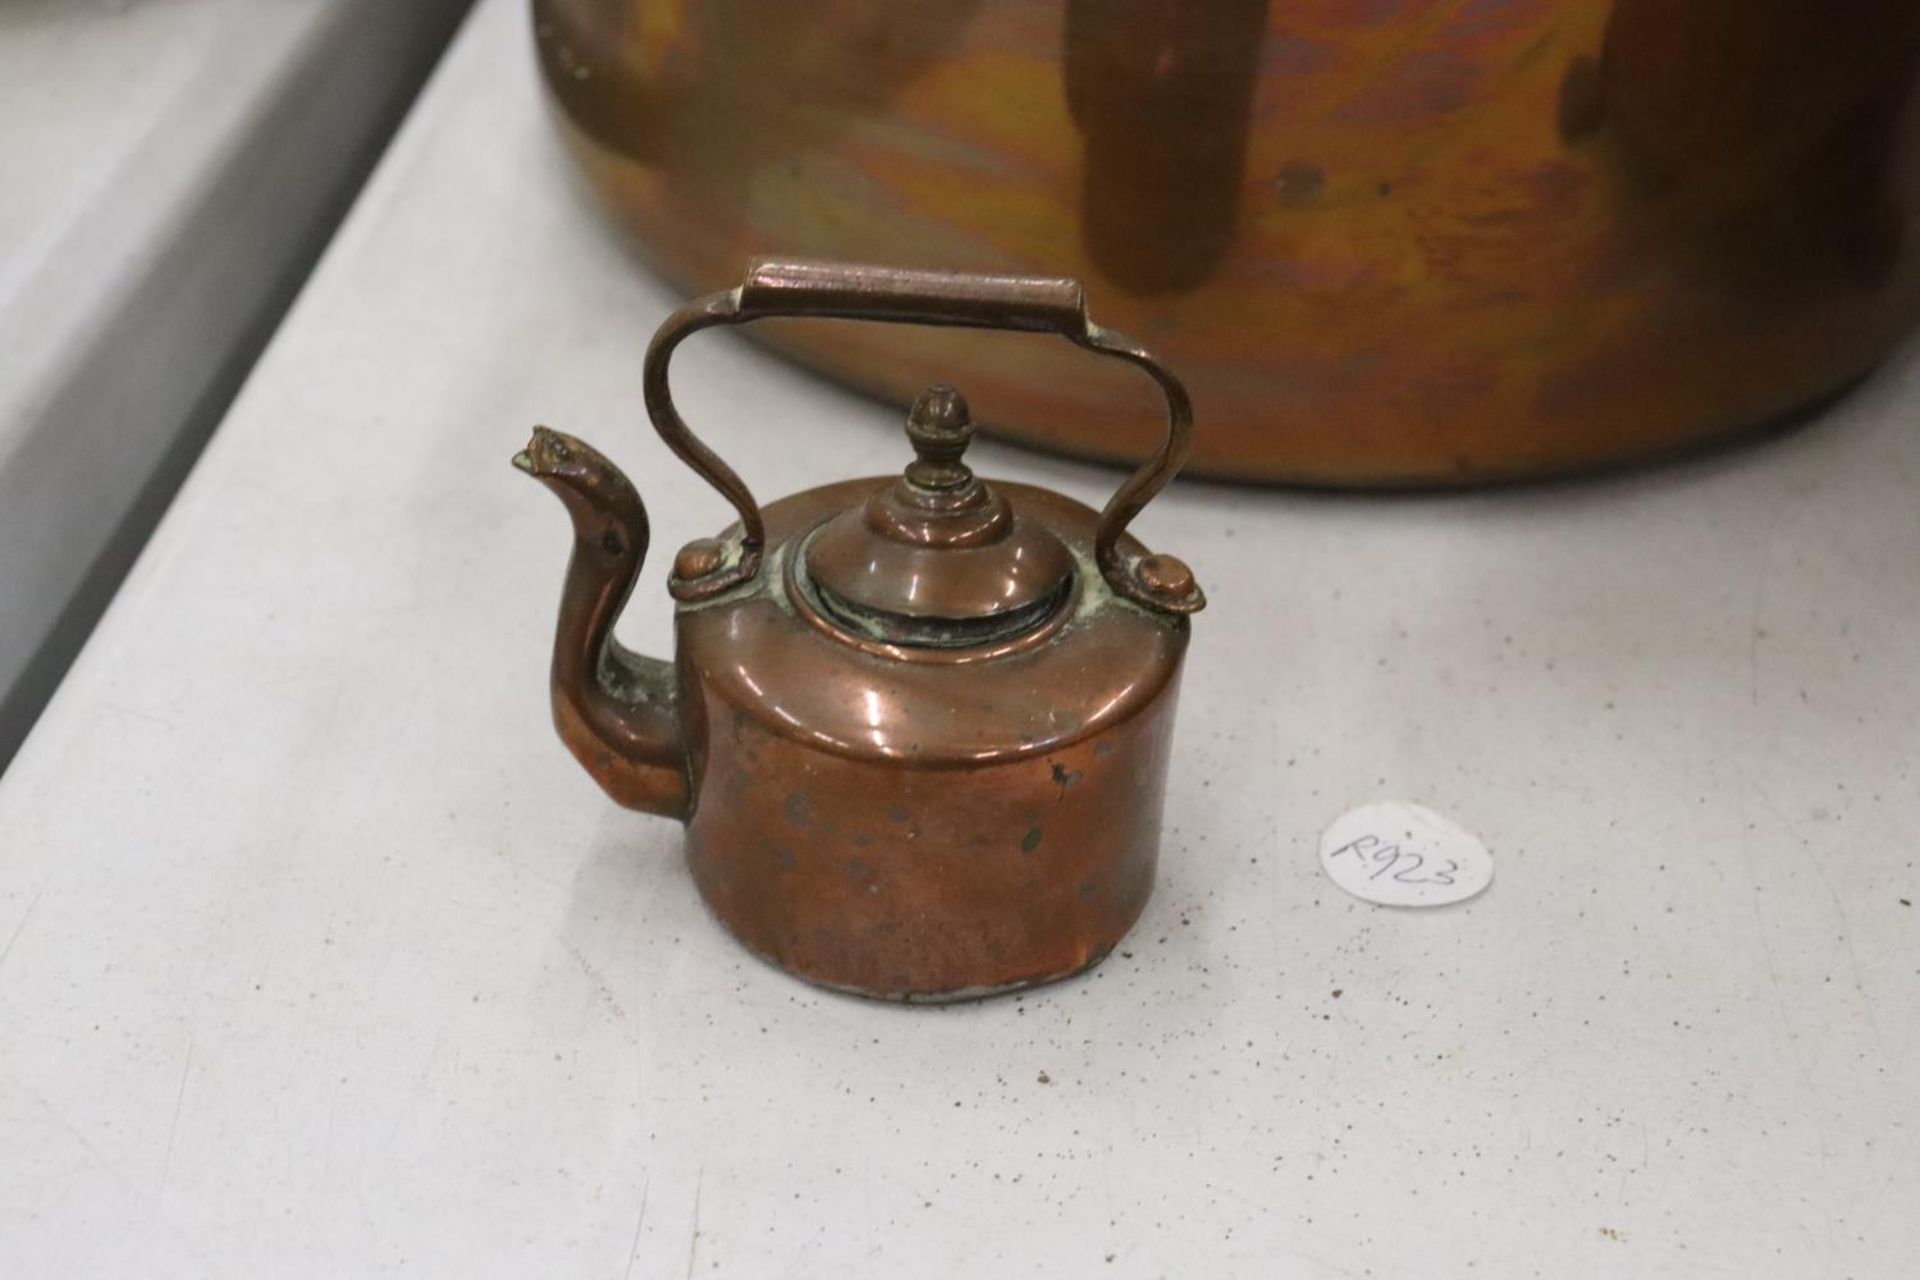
[
  {"x": 1033, "y": 304},
  {"x": 845, "y": 291}
]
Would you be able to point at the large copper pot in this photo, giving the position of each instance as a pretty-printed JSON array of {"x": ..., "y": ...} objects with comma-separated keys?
[{"x": 1385, "y": 241}]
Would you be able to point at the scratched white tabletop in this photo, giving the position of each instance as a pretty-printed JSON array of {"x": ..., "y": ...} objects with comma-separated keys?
[{"x": 319, "y": 957}]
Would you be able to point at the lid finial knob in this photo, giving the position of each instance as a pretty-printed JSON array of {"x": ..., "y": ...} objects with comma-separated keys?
[{"x": 940, "y": 426}]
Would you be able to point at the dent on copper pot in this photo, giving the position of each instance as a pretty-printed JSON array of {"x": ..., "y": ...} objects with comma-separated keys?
[{"x": 1386, "y": 244}]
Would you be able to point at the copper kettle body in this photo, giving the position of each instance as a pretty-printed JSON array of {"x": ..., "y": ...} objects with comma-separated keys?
[{"x": 917, "y": 727}]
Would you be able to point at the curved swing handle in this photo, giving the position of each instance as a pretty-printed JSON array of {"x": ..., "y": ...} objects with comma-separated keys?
[{"x": 1033, "y": 304}]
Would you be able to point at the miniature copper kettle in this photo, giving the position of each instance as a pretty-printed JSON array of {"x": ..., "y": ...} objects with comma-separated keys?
[{"x": 917, "y": 728}]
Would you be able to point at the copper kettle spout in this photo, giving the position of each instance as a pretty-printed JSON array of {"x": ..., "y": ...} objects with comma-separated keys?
[{"x": 618, "y": 711}]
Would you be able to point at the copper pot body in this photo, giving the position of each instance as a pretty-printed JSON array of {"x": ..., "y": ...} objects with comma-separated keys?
[{"x": 1386, "y": 243}]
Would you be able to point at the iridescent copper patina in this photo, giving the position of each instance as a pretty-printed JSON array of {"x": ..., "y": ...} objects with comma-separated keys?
[
  {"x": 1395, "y": 242},
  {"x": 918, "y": 727}
]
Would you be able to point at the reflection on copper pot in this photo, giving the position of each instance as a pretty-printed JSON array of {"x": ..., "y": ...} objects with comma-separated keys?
[{"x": 1388, "y": 243}]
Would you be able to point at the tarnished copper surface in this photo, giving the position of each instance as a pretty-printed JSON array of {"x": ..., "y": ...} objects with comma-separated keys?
[
  {"x": 927, "y": 763},
  {"x": 935, "y": 828},
  {"x": 1404, "y": 243}
]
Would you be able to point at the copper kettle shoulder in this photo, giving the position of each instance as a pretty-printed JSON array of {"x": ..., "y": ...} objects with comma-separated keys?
[{"x": 917, "y": 728}]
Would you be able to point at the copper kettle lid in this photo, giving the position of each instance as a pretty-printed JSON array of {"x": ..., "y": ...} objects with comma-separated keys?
[{"x": 938, "y": 558}]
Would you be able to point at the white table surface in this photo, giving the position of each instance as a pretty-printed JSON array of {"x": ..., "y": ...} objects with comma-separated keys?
[
  {"x": 319, "y": 957},
  {"x": 168, "y": 171}
]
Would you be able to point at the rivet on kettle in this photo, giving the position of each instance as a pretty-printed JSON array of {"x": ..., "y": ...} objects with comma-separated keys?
[
  {"x": 1166, "y": 576},
  {"x": 699, "y": 558}
]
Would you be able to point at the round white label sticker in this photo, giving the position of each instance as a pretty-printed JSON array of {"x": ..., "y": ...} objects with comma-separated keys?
[{"x": 1404, "y": 855}]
